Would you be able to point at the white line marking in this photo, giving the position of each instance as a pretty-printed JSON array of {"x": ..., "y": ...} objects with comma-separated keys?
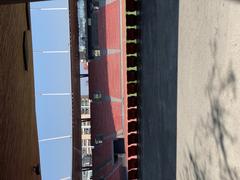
[
  {"x": 55, "y": 138},
  {"x": 55, "y": 94}
]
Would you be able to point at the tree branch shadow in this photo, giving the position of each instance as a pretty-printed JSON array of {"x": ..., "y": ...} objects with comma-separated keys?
[{"x": 199, "y": 157}]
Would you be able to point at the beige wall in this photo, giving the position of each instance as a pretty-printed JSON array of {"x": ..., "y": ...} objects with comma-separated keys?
[{"x": 208, "y": 127}]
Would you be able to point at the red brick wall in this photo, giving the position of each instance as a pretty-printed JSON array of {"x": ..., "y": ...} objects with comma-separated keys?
[{"x": 105, "y": 76}]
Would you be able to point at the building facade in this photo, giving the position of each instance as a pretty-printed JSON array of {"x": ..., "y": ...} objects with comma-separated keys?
[{"x": 86, "y": 138}]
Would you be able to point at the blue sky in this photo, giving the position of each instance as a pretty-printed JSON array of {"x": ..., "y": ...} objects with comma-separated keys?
[{"x": 50, "y": 30}]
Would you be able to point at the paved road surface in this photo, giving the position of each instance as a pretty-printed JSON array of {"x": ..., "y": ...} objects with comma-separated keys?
[
  {"x": 208, "y": 90},
  {"x": 159, "y": 25},
  {"x": 192, "y": 82}
]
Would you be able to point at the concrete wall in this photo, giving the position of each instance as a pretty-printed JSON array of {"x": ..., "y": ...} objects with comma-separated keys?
[{"x": 208, "y": 125}]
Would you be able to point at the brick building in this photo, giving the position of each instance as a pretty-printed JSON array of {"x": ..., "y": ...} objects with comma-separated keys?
[{"x": 107, "y": 90}]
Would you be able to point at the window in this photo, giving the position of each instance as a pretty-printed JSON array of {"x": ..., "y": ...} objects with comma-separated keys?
[
  {"x": 84, "y": 151},
  {"x": 82, "y": 102},
  {"x": 84, "y": 110},
  {"x": 87, "y": 131},
  {"x": 84, "y": 142},
  {"x": 87, "y": 110},
  {"x": 86, "y": 102},
  {"x": 89, "y": 150},
  {"x": 89, "y": 143}
]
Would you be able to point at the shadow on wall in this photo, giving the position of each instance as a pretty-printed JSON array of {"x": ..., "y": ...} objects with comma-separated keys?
[{"x": 209, "y": 156}]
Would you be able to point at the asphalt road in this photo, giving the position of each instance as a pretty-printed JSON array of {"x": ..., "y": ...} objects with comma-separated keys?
[
  {"x": 158, "y": 89},
  {"x": 189, "y": 119}
]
